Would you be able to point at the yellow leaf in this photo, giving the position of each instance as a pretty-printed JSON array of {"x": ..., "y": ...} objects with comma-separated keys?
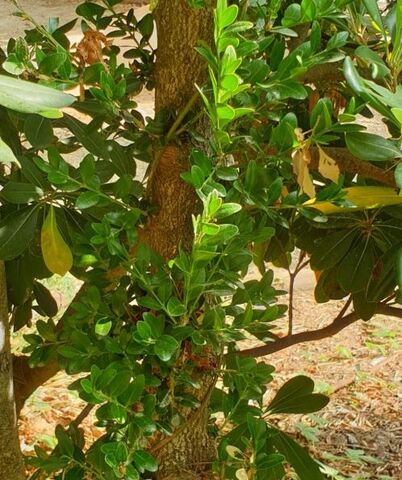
[
  {"x": 241, "y": 474},
  {"x": 301, "y": 159},
  {"x": 56, "y": 253},
  {"x": 362, "y": 197},
  {"x": 327, "y": 166}
]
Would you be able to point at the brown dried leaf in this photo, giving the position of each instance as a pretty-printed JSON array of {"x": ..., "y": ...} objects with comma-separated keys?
[
  {"x": 89, "y": 50},
  {"x": 327, "y": 166}
]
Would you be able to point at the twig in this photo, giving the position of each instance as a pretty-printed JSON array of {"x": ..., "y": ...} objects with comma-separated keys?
[
  {"x": 82, "y": 416},
  {"x": 181, "y": 116}
]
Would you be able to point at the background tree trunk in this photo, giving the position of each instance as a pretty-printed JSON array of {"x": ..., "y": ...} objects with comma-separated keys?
[
  {"x": 11, "y": 467},
  {"x": 190, "y": 450}
]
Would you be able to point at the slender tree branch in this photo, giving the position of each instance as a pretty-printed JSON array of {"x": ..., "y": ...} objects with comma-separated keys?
[{"x": 335, "y": 327}]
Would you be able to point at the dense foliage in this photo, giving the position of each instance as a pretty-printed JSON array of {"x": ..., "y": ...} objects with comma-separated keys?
[{"x": 288, "y": 166}]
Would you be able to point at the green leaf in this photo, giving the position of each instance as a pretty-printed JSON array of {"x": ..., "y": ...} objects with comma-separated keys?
[
  {"x": 38, "y": 130},
  {"x": 103, "y": 327},
  {"x": 227, "y": 16},
  {"x": 166, "y": 347},
  {"x": 90, "y": 139},
  {"x": 175, "y": 308},
  {"x": 296, "y": 396},
  {"x": 20, "y": 193},
  {"x": 87, "y": 200},
  {"x": 52, "y": 62},
  {"x": 7, "y": 156},
  {"x": 145, "y": 461},
  {"x": 146, "y": 25},
  {"x": 356, "y": 268},
  {"x": 352, "y": 76},
  {"x": 371, "y": 147},
  {"x": 378, "y": 67},
  {"x": 28, "y": 97},
  {"x": 16, "y": 232},
  {"x": 45, "y": 300},
  {"x": 305, "y": 467},
  {"x": 228, "y": 209},
  {"x": 331, "y": 249},
  {"x": 374, "y": 12},
  {"x": 398, "y": 175}
]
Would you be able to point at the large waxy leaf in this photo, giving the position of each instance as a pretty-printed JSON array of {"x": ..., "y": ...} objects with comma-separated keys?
[
  {"x": 331, "y": 249},
  {"x": 20, "y": 193},
  {"x": 28, "y": 97},
  {"x": 56, "y": 253},
  {"x": 16, "y": 232},
  {"x": 371, "y": 147},
  {"x": 296, "y": 396},
  {"x": 356, "y": 267},
  {"x": 305, "y": 467},
  {"x": 362, "y": 197}
]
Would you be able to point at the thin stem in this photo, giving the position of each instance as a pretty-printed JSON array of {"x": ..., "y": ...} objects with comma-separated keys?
[{"x": 189, "y": 105}]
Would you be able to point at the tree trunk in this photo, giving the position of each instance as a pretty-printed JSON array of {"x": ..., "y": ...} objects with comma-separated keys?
[
  {"x": 189, "y": 451},
  {"x": 11, "y": 467}
]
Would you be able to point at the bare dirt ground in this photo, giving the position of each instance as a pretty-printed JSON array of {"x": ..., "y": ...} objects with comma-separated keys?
[{"x": 358, "y": 435}]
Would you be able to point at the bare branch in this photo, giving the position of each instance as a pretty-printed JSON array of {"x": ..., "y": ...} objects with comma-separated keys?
[{"x": 335, "y": 327}]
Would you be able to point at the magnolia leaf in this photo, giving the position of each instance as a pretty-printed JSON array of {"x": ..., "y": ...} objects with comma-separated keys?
[
  {"x": 362, "y": 198},
  {"x": 7, "y": 156},
  {"x": 28, "y": 97},
  {"x": 327, "y": 166},
  {"x": 301, "y": 159},
  {"x": 56, "y": 253}
]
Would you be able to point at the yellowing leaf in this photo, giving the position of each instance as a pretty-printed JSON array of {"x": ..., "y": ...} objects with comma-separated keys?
[
  {"x": 56, "y": 253},
  {"x": 241, "y": 474},
  {"x": 327, "y": 166},
  {"x": 301, "y": 159},
  {"x": 362, "y": 197}
]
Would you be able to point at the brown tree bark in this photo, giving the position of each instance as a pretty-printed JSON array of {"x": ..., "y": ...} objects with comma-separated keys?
[
  {"x": 11, "y": 467},
  {"x": 189, "y": 451}
]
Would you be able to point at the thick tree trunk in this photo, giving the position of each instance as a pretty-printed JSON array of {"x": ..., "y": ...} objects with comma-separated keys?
[
  {"x": 188, "y": 453},
  {"x": 11, "y": 467}
]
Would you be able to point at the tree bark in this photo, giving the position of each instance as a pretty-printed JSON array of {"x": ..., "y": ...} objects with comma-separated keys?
[
  {"x": 190, "y": 450},
  {"x": 11, "y": 467}
]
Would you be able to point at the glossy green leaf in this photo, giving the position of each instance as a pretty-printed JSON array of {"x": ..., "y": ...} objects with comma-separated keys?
[
  {"x": 398, "y": 175},
  {"x": 371, "y": 147},
  {"x": 356, "y": 268},
  {"x": 16, "y": 232},
  {"x": 331, "y": 249},
  {"x": 28, "y": 97},
  {"x": 45, "y": 300},
  {"x": 296, "y": 396},
  {"x": 305, "y": 467},
  {"x": 165, "y": 347},
  {"x": 144, "y": 461},
  {"x": 38, "y": 130},
  {"x": 21, "y": 193},
  {"x": 103, "y": 327}
]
